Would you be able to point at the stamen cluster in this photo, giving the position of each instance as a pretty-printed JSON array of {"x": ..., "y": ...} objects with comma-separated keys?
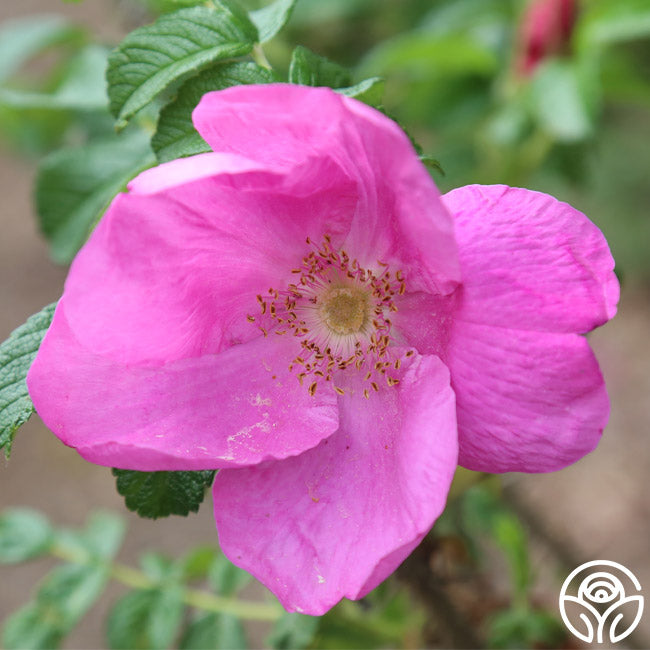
[{"x": 340, "y": 311}]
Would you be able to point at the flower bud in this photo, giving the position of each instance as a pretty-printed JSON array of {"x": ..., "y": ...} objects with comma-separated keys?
[{"x": 545, "y": 30}]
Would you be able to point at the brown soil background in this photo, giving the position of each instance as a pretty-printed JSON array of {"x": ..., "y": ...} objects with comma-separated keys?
[{"x": 597, "y": 509}]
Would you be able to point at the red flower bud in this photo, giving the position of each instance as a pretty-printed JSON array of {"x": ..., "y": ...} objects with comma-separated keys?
[{"x": 545, "y": 30}]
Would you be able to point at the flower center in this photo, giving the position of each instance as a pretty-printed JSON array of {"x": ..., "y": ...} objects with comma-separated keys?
[
  {"x": 344, "y": 310},
  {"x": 340, "y": 312}
]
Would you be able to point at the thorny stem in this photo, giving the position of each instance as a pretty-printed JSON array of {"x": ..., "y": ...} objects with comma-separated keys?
[{"x": 197, "y": 598}]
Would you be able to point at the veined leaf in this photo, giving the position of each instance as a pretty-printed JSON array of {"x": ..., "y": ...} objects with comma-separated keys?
[
  {"x": 160, "y": 494},
  {"x": 74, "y": 187},
  {"x": 16, "y": 356},
  {"x": 153, "y": 57},
  {"x": 271, "y": 19}
]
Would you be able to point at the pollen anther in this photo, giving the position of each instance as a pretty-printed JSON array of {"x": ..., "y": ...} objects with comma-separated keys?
[{"x": 339, "y": 311}]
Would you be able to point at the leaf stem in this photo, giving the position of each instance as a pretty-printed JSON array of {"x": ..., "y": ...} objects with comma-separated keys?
[
  {"x": 198, "y": 598},
  {"x": 259, "y": 57}
]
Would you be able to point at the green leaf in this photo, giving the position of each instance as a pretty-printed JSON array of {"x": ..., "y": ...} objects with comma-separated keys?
[
  {"x": 145, "y": 618},
  {"x": 82, "y": 88},
  {"x": 431, "y": 163},
  {"x": 176, "y": 136},
  {"x": 271, "y": 19},
  {"x": 160, "y": 494},
  {"x": 524, "y": 628},
  {"x": 166, "y": 6},
  {"x": 160, "y": 568},
  {"x": 23, "y": 38},
  {"x": 27, "y": 629},
  {"x": 484, "y": 513},
  {"x": 562, "y": 100},
  {"x": 70, "y": 590},
  {"x": 153, "y": 57},
  {"x": 226, "y": 578},
  {"x": 103, "y": 535},
  {"x": 197, "y": 562},
  {"x": 94, "y": 545},
  {"x": 511, "y": 537},
  {"x": 214, "y": 631},
  {"x": 310, "y": 69},
  {"x": 293, "y": 631},
  {"x": 611, "y": 22},
  {"x": 74, "y": 187},
  {"x": 369, "y": 91},
  {"x": 423, "y": 56},
  {"x": 16, "y": 356},
  {"x": 64, "y": 597},
  {"x": 24, "y": 534}
]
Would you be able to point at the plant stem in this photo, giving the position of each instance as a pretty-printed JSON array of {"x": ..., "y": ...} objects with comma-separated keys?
[
  {"x": 200, "y": 599},
  {"x": 259, "y": 57}
]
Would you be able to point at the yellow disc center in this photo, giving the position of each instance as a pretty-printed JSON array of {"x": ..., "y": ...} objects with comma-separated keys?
[{"x": 344, "y": 309}]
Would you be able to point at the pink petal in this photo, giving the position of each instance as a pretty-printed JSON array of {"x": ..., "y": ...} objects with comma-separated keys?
[
  {"x": 239, "y": 407},
  {"x": 194, "y": 168},
  {"x": 530, "y": 262},
  {"x": 425, "y": 321},
  {"x": 527, "y": 401},
  {"x": 174, "y": 274},
  {"x": 338, "y": 519},
  {"x": 399, "y": 217}
]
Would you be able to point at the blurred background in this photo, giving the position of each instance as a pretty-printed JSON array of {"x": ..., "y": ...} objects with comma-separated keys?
[{"x": 553, "y": 95}]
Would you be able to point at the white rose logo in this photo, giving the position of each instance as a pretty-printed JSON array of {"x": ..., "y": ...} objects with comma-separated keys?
[{"x": 605, "y": 590}]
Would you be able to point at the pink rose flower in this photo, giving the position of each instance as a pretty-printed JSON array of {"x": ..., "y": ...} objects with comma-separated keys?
[{"x": 303, "y": 310}]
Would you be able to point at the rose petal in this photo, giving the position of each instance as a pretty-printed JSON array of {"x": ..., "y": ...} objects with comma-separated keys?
[
  {"x": 530, "y": 262},
  {"x": 338, "y": 519},
  {"x": 399, "y": 217},
  {"x": 174, "y": 274},
  {"x": 526, "y": 401},
  {"x": 239, "y": 407},
  {"x": 425, "y": 321}
]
